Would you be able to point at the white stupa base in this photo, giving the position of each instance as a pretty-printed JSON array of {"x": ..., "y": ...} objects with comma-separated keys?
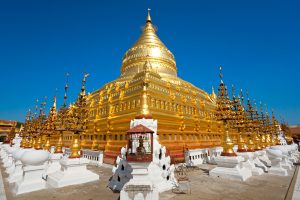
[
  {"x": 263, "y": 157},
  {"x": 53, "y": 165},
  {"x": 278, "y": 171},
  {"x": 276, "y": 158},
  {"x": 72, "y": 172},
  {"x": 230, "y": 168},
  {"x": 159, "y": 178},
  {"x": 8, "y": 162},
  {"x": 286, "y": 164},
  {"x": 249, "y": 163},
  {"x": 4, "y": 159},
  {"x": 140, "y": 186},
  {"x": 10, "y": 169},
  {"x": 240, "y": 174},
  {"x": 138, "y": 189},
  {"x": 293, "y": 159},
  {"x": 3, "y": 155},
  {"x": 259, "y": 164},
  {"x": 17, "y": 174},
  {"x": 31, "y": 180},
  {"x": 255, "y": 170}
]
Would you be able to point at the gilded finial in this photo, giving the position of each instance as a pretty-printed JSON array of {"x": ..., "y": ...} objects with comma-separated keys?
[
  {"x": 85, "y": 75},
  {"x": 242, "y": 96},
  {"x": 221, "y": 75},
  {"x": 261, "y": 108},
  {"x": 54, "y": 102},
  {"x": 266, "y": 108},
  {"x": 232, "y": 90},
  {"x": 148, "y": 17},
  {"x": 213, "y": 94},
  {"x": 66, "y": 89}
]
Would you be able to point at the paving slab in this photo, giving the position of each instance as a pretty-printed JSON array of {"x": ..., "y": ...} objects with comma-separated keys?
[
  {"x": 266, "y": 187},
  {"x": 204, "y": 187}
]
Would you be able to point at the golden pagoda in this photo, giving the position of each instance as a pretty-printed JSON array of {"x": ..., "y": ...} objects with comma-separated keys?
[
  {"x": 186, "y": 114},
  {"x": 239, "y": 120},
  {"x": 250, "y": 125},
  {"x": 226, "y": 113}
]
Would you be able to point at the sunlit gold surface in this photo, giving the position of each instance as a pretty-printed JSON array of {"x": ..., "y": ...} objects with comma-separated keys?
[
  {"x": 23, "y": 142},
  {"x": 277, "y": 140},
  {"x": 228, "y": 146},
  {"x": 75, "y": 147},
  {"x": 148, "y": 47},
  {"x": 241, "y": 144},
  {"x": 38, "y": 143},
  {"x": 257, "y": 142},
  {"x": 268, "y": 140},
  {"x": 250, "y": 144},
  {"x": 263, "y": 141},
  {"x": 29, "y": 142},
  {"x": 47, "y": 144},
  {"x": 95, "y": 144},
  {"x": 59, "y": 144}
]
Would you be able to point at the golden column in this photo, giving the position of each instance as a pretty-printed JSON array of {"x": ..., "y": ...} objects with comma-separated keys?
[
  {"x": 40, "y": 126},
  {"x": 250, "y": 124},
  {"x": 225, "y": 114},
  {"x": 79, "y": 118},
  {"x": 61, "y": 120},
  {"x": 26, "y": 129},
  {"x": 275, "y": 130},
  {"x": 50, "y": 125},
  {"x": 262, "y": 128},
  {"x": 256, "y": 124},
  {"x": 239, "y": 120}
]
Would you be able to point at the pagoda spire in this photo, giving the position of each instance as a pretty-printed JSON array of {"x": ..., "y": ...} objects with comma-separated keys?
[
  {"x": 220, "y": 74},
  {"x": 213, "y": 94},
  {"x": 66, "y": 89},
  {"x": 149, "y": 47},
  {"x": 148, "y": 16},
  {"x": 225, "y": 113},
  {"x": 54, "y": 103}
]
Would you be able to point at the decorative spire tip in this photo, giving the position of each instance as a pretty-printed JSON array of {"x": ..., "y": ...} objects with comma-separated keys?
[{"x": 148, "y": 17}]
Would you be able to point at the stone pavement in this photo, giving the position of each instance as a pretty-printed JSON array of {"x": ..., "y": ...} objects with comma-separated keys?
[
  {"x": 88, "y": 191},
  {"x": 265, "y": 187},
  {"x": 2, "y": 190},
  {"x": 295, "y": 194}
]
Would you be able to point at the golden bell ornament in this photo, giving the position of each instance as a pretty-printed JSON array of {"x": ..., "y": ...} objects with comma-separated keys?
[
  {"x": 241, "y": 144},
  {"x": 75, "y": 146},
  {"x": 47, "y": 145},
  {"x": 257, "y": 142},
  {"x": 38, "y": 143},
  {"x": 263, "y": 141},
  {"x": 251, "y": 145},
  {"x": 59, "y": 144},
  {"x": 227, "y": 146}
]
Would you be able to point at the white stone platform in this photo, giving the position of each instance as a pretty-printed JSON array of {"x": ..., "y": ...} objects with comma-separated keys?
[
  {"x": 230, "y": 168},
  {"x": 72, "y": 172}
]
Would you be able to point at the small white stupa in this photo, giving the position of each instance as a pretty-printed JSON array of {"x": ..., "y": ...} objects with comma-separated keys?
[{"x": 34, "y": 165}]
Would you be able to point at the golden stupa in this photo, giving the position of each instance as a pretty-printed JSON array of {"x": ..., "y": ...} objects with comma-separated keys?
[{"x": 185, "y": 113}]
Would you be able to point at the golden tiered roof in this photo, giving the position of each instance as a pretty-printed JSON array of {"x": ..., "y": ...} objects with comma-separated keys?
[{"x": 149, "y": 47}]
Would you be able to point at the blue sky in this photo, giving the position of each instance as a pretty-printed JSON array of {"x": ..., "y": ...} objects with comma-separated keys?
[{"x": 256, "y": 42}]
